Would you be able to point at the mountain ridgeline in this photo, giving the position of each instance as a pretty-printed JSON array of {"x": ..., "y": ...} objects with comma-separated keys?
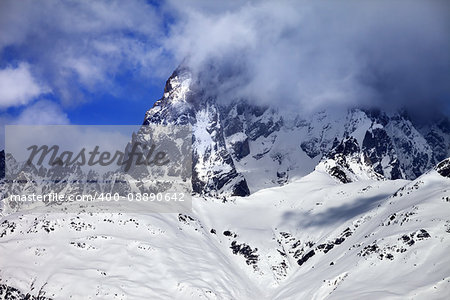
[{"x": 239, "y": 148}]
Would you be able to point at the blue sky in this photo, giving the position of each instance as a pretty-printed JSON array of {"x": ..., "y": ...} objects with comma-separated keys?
[
  {"x": 72, "y": 62},
  {"x": 106, "y": 62},
  {"x": 127, "y": 107}
]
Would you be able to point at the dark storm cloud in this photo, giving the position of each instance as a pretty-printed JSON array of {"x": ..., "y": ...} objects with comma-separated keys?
[
  {"x": 316, "y": 54},
  {"x": 306, "y": 55}
]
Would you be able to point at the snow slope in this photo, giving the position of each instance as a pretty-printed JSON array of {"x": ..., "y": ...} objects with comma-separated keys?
[{"x": 370, "y": 239}]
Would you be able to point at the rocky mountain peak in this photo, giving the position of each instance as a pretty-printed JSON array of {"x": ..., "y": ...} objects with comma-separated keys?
[{"x": 241, "y": 147}]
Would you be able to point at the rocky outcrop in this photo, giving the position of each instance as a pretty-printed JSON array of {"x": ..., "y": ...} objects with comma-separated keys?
[{"x": 443, "y": 168}]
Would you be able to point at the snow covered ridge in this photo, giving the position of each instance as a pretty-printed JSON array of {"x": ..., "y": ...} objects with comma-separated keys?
[
  {"x": 313, "y": 238},
  {"x": 240, "y": 148}
]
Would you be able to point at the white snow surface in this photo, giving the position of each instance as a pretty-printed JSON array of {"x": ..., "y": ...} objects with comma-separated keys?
[{"x": 171, "y": 256}]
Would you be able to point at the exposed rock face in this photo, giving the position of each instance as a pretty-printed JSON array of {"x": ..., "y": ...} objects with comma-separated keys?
[
  {"x": 2, "y": 164},
  {"x": 376, "y": 146},
  {"x": 438, "y": 137},
  {"x": 183, "y": 103},
  {"x": 11, "y": 293},
  {"x": 443, "y": 168}
]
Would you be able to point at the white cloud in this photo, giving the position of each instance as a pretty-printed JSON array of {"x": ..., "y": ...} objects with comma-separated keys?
[
  {"x": 43, "y": 112},
  {"x": 18, "y": 86},
  {"x": 79, "y": 46}
]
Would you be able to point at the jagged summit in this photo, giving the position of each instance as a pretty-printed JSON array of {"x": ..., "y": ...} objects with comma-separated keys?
[{"x": 240, "y": 147}]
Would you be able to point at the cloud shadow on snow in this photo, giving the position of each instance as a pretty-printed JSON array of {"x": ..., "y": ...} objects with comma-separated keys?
[{"x": 335, "y": 215}]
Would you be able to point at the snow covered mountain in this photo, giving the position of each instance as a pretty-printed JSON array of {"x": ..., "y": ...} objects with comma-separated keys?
[
  {"x": 336, "y": 205},
  {"x": 241, "y": 148}
]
